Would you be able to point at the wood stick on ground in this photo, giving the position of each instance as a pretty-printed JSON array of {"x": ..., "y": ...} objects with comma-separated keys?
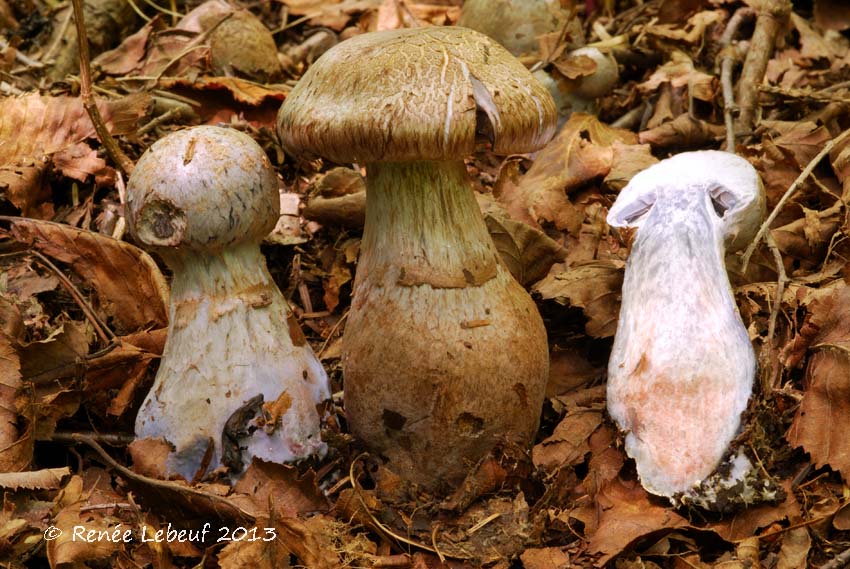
[
  {"x": 772, "y": 15},
  {"x": 726, "y": 66},
  {"x": 781, "y": 281},
  {"x": 109, "y": 144},
  {"x": 792, "y": 189},
  {"x": 840, "y": 560}
]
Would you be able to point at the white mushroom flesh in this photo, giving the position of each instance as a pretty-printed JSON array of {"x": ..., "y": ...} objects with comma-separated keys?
[{"x": 682, "y": 365}]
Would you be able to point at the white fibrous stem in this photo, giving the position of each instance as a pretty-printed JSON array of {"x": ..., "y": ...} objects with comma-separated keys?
[
  {"x": 423, "y": 225},
  {"x": 231, "y": 339},
  {"x": 682, "y": 366},
  {"x": 444, "y": 353}
]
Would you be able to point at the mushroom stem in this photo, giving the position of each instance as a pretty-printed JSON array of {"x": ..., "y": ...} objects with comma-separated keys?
[
  {"x": 224, "y": 345},
  {"x": 456, "y": 358},
  {"x": 233, "y": 271},
  {"x": 423, "y": 226}
]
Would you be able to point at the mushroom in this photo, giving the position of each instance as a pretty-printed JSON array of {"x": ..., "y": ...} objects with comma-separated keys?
[
  {"x": 579, "y": 77},
  {"x": 237, "y": 378},
  {"x": 516, "y": 24},
  {"x": 593, "y": 74},
  {"x": 682, "y": 365},
  {"x": 444, "y": 353}
]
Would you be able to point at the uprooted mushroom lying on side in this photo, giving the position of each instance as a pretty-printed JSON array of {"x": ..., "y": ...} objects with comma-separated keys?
[{"x": 682, "y": 367}]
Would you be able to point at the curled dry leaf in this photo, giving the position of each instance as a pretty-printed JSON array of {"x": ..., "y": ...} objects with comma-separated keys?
[
  {"x": 39, "y": 363},
  {"x": 279, "y": 487},
  {"x": 746, "y": 523},
  {"x": 333, "y": 14},
  {"x": 46, "y": 479},
  {"x": 820, "y": 425},
  {"x": 680, "y": 73},
  {"x": 693, "y": 32},
  {"x": 259, "y": 554},
  {"x": 36, "y": 127},
  {"x": 131, "y": 290},
  {"x": 594, "y": 287},
  {"x": 545, "y": 558},
  {"x": 581, "y": 152},
  {"x": 568, "y": 444},
  {"x": 15, "y": 450},
  {"x": 684, "y": 131},
  {"x": 627, "y": 515},
  {"x": 526, "y": 251},
  {"x": 796, "y": 544},
  {"x": 311, "y": 540},
  {"x": 67, "y": 551}
]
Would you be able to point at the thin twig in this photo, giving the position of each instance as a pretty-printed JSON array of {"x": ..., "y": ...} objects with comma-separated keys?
[
  {"x": 89, "y": 103},
  {"x": 112, "y": 439},
  {"x": 384, "y": 529},
  {"x": 332, "y": 332},
  {"x": 768, "y": 381},
  {"x": 771, "y": 16},
  {"x": 788, "y": 194},
  {"x": 781, "y": 281},
  {"x": 162, "y": 484},
  {"x": 726, "y": 66},
  {"x": 840, "y": 560}
]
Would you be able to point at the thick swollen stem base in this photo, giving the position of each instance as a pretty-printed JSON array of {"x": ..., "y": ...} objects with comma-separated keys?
[
  {"x": 230, "y": 341},
  {"x": 445, "y": 355}
]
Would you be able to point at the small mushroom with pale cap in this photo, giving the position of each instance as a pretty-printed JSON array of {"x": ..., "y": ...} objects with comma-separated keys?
[
  {"x": 682, "y": 367},
  {"x": 444, "y": 353},
  {"x": 519, "y": 24},
  {"x": 237, "y": 378}
]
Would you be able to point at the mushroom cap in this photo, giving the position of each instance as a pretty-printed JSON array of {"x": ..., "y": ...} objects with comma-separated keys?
[
  {"x": 730, "y": 183},
  {"x": 415, "y": 94},
  {"x": 600, "y": 82},
  {"x": 516, "y": 24},
  {"x": 202, "y": 188}
]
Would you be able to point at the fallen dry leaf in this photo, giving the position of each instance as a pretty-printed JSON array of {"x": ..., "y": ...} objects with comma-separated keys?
[
  {"x": 692, "y": 32},
  {"x": 65, "y": 550},
  {"x": 279, "y": 487},
  {"x": 747, "y": 523},
  {"x": 14, "y": 456},
  {"x": 820, "y": 425},
  {"x": 581, "y": 152},
  {"x": 545, "y": 558},
  {"x": 627, "y": 515},
  {"x": 595, "y": 287},
  {"x": 35, "y": 127},
  {"x": 259, "y": 554},
  {"x": 311, "y": 540},
  {"x": 527, "y": 252},
  {"x": 794, "y": 552},
  {"x": 131, "y": 289},
  {"x": 568, "y": 444},
  {"x": 46, "y": 479},
  {"x": 832, "y": 15}
]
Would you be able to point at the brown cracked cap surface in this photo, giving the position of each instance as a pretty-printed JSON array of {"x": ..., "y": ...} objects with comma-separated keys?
[
  {"x": 415, "y": 94},
  {"x": 202, "y": 188}
]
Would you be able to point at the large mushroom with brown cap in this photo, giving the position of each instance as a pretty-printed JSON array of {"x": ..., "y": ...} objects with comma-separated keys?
[
  {"x": 682, "y": 366},
  {"x": 444, "y": 353},
  {"x": 237, "y": 378}
]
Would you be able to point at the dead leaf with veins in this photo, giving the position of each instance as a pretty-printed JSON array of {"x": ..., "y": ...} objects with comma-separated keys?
[{"x": 820, "y": 424}]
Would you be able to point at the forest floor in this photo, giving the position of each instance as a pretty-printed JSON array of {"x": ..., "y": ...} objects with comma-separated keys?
[{"x": 83, "y": 311}]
